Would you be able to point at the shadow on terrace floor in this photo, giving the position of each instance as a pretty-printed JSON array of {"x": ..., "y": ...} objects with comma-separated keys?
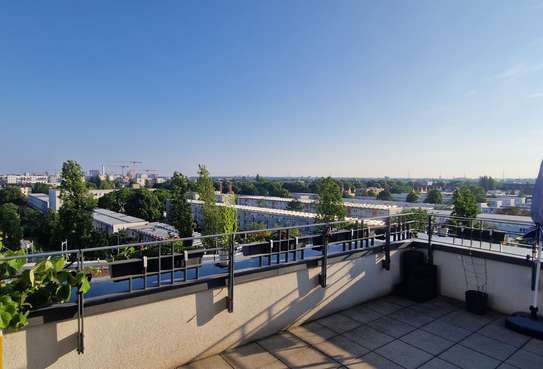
[{"x": 390, "y": 333}]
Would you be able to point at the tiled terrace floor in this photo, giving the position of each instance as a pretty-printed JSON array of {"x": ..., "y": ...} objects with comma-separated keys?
[{"x": 390, "y": 333}]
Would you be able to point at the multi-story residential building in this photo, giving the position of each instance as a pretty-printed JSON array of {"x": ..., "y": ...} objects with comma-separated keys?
[
  {"x": 39, "y": 201},
  {"x": 354, "y": 209},
  {"x": 55, "y": 202},
  {"x": 24, "y": 179}
]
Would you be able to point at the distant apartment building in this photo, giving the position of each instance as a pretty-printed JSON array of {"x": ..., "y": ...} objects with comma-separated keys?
[
  {"x": 23, "y": 179},
  {"x": 55, "y": 202},
  {"x": 39, "y": 201},
  {"x": 354, "y": 209},
  {"x": 154, "y": 231}
]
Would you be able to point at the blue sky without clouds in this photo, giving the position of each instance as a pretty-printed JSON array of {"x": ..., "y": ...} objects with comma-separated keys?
[{"x": 343, "y": 88}]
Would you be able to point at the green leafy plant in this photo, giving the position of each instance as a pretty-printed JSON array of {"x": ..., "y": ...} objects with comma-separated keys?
[{"x": 46, "y": 283}]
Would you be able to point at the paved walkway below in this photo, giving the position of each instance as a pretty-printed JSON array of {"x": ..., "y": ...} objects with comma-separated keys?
[{"x": 390, "y": 333}]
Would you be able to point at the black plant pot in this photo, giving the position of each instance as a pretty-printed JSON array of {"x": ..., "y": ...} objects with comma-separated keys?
[{"x": 476, "y": 302}]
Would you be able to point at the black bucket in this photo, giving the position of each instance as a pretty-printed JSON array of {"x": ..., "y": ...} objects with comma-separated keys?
[{"x": 476, "y": 302}]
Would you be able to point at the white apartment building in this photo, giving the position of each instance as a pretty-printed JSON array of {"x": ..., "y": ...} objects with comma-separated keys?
[
  {"x": 23, "y": 179},
  {"x": 55, "y": 202},
  {"x": 39, "y": 201},
  {"x": 354, "y": 209}
]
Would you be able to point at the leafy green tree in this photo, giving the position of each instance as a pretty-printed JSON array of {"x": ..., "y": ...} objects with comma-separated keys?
[
  {"x": 206, "y": 191},
  {"x": 228, "y": 219},
  {"x": 412, "y": 197},
  {"x": 488, "y": 183},
  {"x": 40, "y": 188},
  {"x": 11, "y": 194},
  {"x": 434, "y": 197},
  {"x": 330, "y": 205},
  {"x": 465, "y": 203},
  {"x": 384, "y": 195},
  {"x": 75, "y": 215},
  {"x": 478, "y": 191},
  {"x": 295, "y": 205},
  {"x": 142, "y": 203},
  {"x": 10, "y": 225},
  {"x": 180, "y": 212}
]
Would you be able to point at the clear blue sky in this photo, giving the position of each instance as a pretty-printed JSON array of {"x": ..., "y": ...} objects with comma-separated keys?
[{"x": 344, "y": 88}]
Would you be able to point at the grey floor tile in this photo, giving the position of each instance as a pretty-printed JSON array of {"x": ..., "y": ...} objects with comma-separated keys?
[
  {"x": 488, "y": 346},
  {"x": 213, "y": 362},
  {"x": 313, "y": 332},
  {"x": 339, "y": 323},
  {"x": 252, "y": 356},
  {"x": 411, "y": 316},
  {"x": 368, "y": 337},
  {"x": 506, "y": 366},
  {"x": 361, "y": 314},
  {"x": 279, "y": 342},
  {"x": 306, "y": 357},
  {"x": 525, "y": 360},
  {"x": 396, "y": 300},
  {"x": 403, "y": 354},
  {"x": 437, "y": 363},
  {"x": 447, "y": 331},
  {"x": 500, "y": 333},
  {"x": 431, "y": 312},
  {"x": 391, "y": 327},
  {"x": 465, "y": 320},
  {"x": 534, "y": 346},
  {"x": 342, "y": 349},
  {"x": 374, "y": 361},
  {"x": 382, "y": 307},
  {"x": 468, "y": 359},
  {"x": 427, "y": 341}
]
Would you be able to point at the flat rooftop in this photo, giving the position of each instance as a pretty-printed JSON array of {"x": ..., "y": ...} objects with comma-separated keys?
[
  {"x": 390, "y": 333},
  {"x": 111, "y": 217}
]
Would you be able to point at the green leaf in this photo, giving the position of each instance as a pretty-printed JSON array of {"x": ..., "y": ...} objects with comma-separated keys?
[
  {"x": 84, "y": 284},
  {"x": 5, "y": 319},
  {"x": 64, "y": 291},
  {"x": 58, "y": 264}
]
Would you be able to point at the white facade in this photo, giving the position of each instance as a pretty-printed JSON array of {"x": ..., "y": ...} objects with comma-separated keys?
[
  {"x": 23, "y": 179},
  {"x": 55, "y": 202},
  {"x": 354, "y": 209},
  {"x": 39, "y": 201}
]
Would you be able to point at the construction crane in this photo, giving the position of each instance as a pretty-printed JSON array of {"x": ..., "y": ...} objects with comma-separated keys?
[{"x": 124, "y": 165}]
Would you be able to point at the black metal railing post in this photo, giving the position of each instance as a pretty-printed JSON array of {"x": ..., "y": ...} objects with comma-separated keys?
[
  {"x": 430, "y": 247},
  {"x": 230, "y": 273},
  {"x": 80, "y": 311},
  {"x": 324, "y": 263},
  {"x": 386, "y": 261}
]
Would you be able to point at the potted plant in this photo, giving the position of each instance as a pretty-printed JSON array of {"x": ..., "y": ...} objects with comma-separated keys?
[
  {"x": 24, "y": 290},
  {"x": 475, "y": 272}
]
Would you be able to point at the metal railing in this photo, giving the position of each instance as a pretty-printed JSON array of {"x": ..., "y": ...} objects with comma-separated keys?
[{"x": 153, "y": 265}]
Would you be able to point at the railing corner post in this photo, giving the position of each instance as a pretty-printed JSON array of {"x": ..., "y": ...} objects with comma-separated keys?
[
  {"x": 386, "y": 261},
  {"x": 430, "y": 247},
  {"x": 230, "y": 298},
  {"x": 324, "y": 264}
]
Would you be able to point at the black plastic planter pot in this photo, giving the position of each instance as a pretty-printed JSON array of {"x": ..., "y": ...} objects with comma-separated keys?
[
  {"x": 476, "y": 302},
  {"x": 134, "y": 267}
]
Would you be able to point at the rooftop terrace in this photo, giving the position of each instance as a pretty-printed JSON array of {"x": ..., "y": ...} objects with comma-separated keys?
[{"x": 389, "y": 333}]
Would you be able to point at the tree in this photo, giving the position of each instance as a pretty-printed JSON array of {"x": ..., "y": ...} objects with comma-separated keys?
[
  {"x": 12, "y": 195},
  {"x": 142, "y": 203},
  {"x": 180, "y": 212},
  {"x": 40, "y": 188},
  {"x": 488, "y": 183},
  {"x": 10, "y": 226},
  {"x": 412, "y": 197},
  {"x": 295, "y": 205},
  {"x": 384, "y": 195},
  {"x": 75, "y": 215},
  {"x": 478, "y": 191},
  {"x": 330, "y": 205},
  {"x": 212, "y": 222},
  {"x": 228, "y": 219},
  {"x": 434, "y": 197},
  {"x": 465, "y": 203}
]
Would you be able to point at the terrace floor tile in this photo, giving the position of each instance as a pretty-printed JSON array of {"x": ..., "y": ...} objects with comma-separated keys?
[
  {"x": 342, "y": 349},
  {"x": 427, "y": 341},
  {"x": 404, "y": 354},
  {"x": 488, "y": 346},
  {"x": 213, "y": 362},
  {"x": 525, "y": 360},
  {"x": 362, "y": 314},
  {"x": 339, "y": 323},
  {"x": 465, "y": 358},
  {"x": 368, "y": 337},
  {"x": 313, "y": 332},
  {"x": 374, "y": 361},
  {"x": 447, "y": 331},
  {"x": 252, "y": 356},
  {"x": 392, "y": 327}
]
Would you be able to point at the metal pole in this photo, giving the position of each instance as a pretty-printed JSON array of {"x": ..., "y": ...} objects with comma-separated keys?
[
  {"x": 324, "y": 265},
  {"x": 430, "y": 248},
  {"x": 539, "y": 246},
  {"x": 231, "y": 274},
  {"x": 386, "y": 261},
  {"x": 80, "y": 312}
]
